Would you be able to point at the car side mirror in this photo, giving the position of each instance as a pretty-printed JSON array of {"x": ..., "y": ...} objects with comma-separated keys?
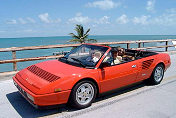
[{"x": 104, "y": 64}]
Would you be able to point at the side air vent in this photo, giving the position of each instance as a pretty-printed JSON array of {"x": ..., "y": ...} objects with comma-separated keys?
[
  {"x": 43, "y": 74},
  {"x": 147, "y": 64}
]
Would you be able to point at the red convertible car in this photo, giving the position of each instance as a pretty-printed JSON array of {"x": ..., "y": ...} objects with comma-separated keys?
[{"x": 87, "y": 71}]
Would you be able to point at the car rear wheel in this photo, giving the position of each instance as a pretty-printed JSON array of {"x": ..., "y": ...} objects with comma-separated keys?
[
  {"x": 157, "y": 75},
  {"x": 83, "y": 94}
]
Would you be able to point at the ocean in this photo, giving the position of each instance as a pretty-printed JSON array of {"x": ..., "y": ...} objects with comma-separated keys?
[{"x": 37, "y": 41}]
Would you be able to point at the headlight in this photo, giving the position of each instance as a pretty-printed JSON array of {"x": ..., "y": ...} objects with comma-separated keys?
[{"x": 30, "y": 97}]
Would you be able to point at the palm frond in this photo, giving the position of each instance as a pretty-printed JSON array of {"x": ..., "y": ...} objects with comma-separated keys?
[
  {"x": 74, "y": 36},
  {"x": 82, "y": 31},
  {"x": 87, "y": 32},
  {"x": 74, "y": 40},
  {"x": 79, "y": 30},
  {"x": 85, "y": 36}
]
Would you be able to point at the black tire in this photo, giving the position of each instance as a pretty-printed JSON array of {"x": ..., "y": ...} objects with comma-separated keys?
[
  {"x": 75, "y": 101},
  {"x": 154, "y": 80}
]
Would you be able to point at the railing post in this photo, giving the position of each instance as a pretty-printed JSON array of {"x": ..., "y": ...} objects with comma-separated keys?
[
  {"x": 139, "y": 45},
  {"x": 14, "y": 63},
  {"x": 143, "y": 44},
  {"x": 166, "y": 47},
  {"x": 128, "y": 45}
]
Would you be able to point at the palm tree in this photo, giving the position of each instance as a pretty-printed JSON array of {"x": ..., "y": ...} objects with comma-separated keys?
[{"x": 81, "y": 37}]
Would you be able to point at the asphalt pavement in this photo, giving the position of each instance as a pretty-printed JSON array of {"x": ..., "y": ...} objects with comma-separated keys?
[{"x": 139, "y": 101}]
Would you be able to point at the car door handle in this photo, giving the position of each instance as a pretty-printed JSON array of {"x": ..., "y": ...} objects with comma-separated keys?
[{"x": 133, "y": 66}]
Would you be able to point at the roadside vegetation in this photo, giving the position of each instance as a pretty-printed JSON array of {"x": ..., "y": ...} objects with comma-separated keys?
[{"x": 81, "y": 36}]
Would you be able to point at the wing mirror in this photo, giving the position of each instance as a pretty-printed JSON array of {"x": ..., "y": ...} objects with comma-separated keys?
[{"x": 104, "y": 64}]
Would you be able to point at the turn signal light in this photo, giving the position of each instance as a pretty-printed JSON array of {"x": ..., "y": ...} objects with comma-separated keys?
[{"x": 57, "y": 90}]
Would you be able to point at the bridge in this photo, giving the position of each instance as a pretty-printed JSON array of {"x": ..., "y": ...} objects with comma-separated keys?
[{"x": 136, "y": 101}]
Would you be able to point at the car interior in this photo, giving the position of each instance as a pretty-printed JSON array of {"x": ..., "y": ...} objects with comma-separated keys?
[
  {"x": 125, "y": 55},
  {"x": 89, "y": 57}
]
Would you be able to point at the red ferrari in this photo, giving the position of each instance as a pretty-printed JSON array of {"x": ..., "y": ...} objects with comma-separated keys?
[{"x": 87, "y": 71}]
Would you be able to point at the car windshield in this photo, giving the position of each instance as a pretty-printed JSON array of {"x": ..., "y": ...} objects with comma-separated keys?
[{"x": 86, "y": 56}]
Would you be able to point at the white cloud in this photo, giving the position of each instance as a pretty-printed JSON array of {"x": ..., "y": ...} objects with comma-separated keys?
[
  {"x": 103, "y": 20},
  {"x": 165, "y": 19},
  {"x": 44, "y": 18},
  {"x": 22, "y": 21},
  {"x": 103, "y": 4},
  {"x": 58, "y": 20},
  {"x": 168, "y": 18},
  {"x": 79, "y": 19},
  {"x": 78, "y": 14},
  {"x": 150, "y": 5},
  {"x": 25, "y": 31},
  {"x": 94, "y": 25},
  {"x": 30, "y": 20},
  {"x": 11, "y": 21},
  {"x": 171, "y": 10},
  {"x": 86, "y": 20},
  {"x": 141, "y": 20},
  {"x": 123, "y": 19}
]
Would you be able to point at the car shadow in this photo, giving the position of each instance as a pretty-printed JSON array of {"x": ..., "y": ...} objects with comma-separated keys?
[
  {"x": 26, "y": 110},
  {"x": 121, "y": 91}
]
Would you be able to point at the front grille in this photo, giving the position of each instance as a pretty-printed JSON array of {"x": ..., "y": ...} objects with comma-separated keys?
[
  {"x": 43, "y": 74},
  {"x": 147, "y": 64}
]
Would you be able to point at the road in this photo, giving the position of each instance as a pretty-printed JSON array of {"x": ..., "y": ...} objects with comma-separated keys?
[{"x": 135, "y": 102}]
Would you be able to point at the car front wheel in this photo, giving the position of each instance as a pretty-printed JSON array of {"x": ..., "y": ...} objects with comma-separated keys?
[{"x": 83, "y": 94}]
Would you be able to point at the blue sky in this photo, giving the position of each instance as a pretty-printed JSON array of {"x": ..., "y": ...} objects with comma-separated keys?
[{"x": 35, "y": 18}]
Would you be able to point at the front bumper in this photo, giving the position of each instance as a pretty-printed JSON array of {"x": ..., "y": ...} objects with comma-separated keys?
[{"x": 42, "y": 100}]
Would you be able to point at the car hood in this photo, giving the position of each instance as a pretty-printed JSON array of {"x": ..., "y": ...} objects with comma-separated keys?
[
  {"x": 59, "y": 68},
  {"x": 42, "y": 74}
]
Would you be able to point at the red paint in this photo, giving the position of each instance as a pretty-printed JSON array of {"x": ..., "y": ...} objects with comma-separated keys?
[{"x": 107, "y": 78}]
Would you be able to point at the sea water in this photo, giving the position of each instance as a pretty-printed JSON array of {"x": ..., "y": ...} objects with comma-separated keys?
[{"x": 37, "y": 41}]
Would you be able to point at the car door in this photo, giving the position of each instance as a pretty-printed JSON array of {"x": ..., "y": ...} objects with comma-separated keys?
[{"x": 116, "y": 76}]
